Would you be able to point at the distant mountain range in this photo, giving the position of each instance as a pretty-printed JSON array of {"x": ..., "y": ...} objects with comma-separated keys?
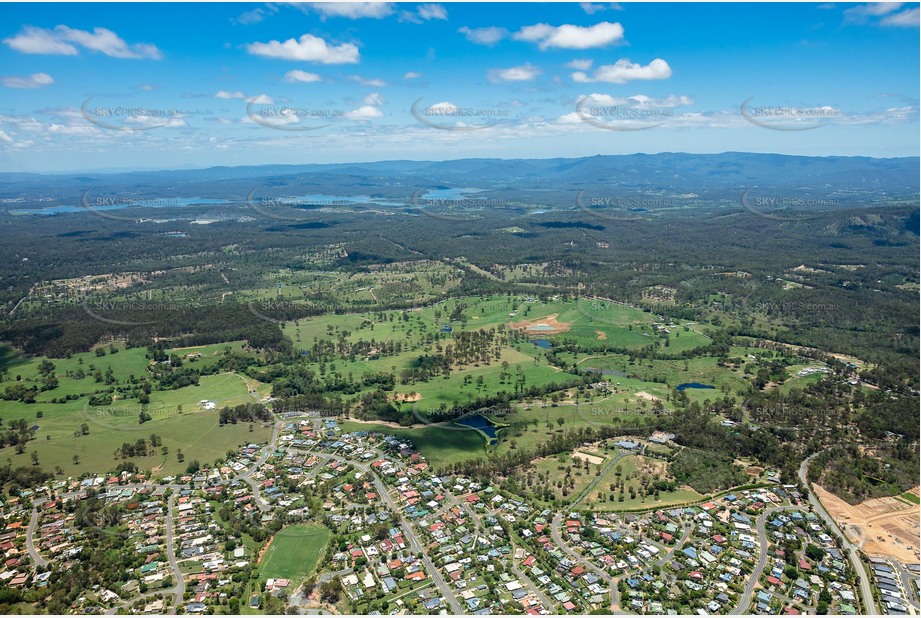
[{"x": 675, "y": 172}]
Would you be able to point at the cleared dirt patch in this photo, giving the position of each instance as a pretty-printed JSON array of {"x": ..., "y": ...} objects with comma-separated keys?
[
  {"x": 541, "y": 326},
  {"x": 647, "y": 396},
  {"x": 592, "y": 459},
  {"x": 882, "y": 527},
  {"x": 601, "y": 335},
  {"x": 407, "y": 397}
]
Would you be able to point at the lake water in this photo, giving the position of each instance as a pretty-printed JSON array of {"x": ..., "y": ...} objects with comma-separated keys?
[
  {"x": 337, "y": 200},
  {"x": 152, "y": 202},
  {"x": 681, "y": 387},
  {"x": 480, "y": 423},
  {"x": 543, "y": 343}
]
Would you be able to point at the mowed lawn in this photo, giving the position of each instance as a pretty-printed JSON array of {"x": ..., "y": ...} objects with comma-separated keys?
[
  {"x": 441, "y": 446},
  {"x": 294, "y": 552}
]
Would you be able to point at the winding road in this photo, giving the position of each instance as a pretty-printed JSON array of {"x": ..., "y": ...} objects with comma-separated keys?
[{"x": 865, "y": 592}]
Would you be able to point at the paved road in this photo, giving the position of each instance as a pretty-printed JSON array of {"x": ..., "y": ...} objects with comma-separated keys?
[
  {"x": 866, "y": 594},
  {"x": 544, "y": 599},
  {"x": 745, "y": 600},
  {"x": 30, "y": 544},
  {"x": 907, "y": 578},
  {"x": 413, "y": 541},
  {"x": 558, "y": 539},
  {"x": 178, "y": 590}
]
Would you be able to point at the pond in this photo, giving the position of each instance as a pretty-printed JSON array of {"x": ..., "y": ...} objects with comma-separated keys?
[
  {"x": 543, "y": 343},
  {"x": 480, "y": 423},
  {"x": 681, "y": 387}
]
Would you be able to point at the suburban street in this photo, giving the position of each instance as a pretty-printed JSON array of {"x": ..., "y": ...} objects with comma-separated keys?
[
  {"x": 866, "y": 593},
  {"x": 30, "y": 543}
]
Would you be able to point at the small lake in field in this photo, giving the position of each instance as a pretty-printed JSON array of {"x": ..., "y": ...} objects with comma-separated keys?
[
  {"x": 543, "y": 343},
  {"x": 480, "y": 423},
  {"x": 686, "y": 385}
]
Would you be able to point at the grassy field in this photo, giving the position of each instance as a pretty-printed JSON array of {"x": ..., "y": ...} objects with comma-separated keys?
[
  {"x": 633, "y": 470},
  {"x": 439, "y": 446},
  {"x": 566, "y": 477},
  {"x": 194, "y": 431},
  {"x": 294, "y": 552}
]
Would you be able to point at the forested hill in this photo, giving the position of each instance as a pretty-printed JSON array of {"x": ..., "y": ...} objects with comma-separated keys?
[{"x": 700, "y": 173}]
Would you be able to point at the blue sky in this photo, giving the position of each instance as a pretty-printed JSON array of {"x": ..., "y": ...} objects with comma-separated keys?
[{"x": 146, "y": 86}]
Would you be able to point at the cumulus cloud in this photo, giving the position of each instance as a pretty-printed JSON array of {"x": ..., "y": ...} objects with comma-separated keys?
[
  {"x": 640, "y": 101},
  {"x": 36, "y": 80},
  {"x": 63, "y": 41},
  {"x": 226, "y": 94},
  {"x": 484, "y": 36},
  {"x": 523, "y": 73},
  {"x": 372, "y": 82},
  {"x": 597, "y": 7},
  {"x": 308, "y": 48},
  {"x": 365, "y": 112},
  {"x": 624, "y": 71},
  {"x": 352, "y": 10},
  {"x": 580, "y": 65},
  {"x": 262, "y": 99},
  {"x": 568, "y": 36},
  {"x": 373, "y": 98},
  {"x": 303, "y": 77},
  {"x": 411, "y": 75},
  {"x": 424, "y": 12}
]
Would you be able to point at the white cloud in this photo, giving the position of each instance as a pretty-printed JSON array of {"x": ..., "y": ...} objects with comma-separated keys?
[
  {"x": 484, "y": 36},
  {"x": 443, "y": 107},
  {"x": 302, "y": 77},
  {"x": 365, "y": 112},
  {"x": 36, "y": 80},
  {"x": 623, "y": 71},
  {"x": 432, "y": 11},
  {"x": 591, "y": 7},
  {"x": 412, "y": 75},
  {"x": 373, "y": 98},
  {"x": 580, "y": 65},
  {"x": 352, "y": 10},
  {"x": 523, "y": 73},
  {"x": 874, "y": 9},
  {"x": 424, "y": 12},
  {"x": 251, "y": 17},
  {"x": 225, "y": 94},
  {"x": 5, "y": 138},
  {"x": 641, "y": 101},
  {"x": 568, "y": 36},
  {"x": 62, "y": 40},
  {"x": 909, "y": 18},
  {"x": 32, "y": 40},
  {"x": 262, "y": 99},
  {"x": 308, "y": 48},
  {"x": 373, "y": 83}
]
